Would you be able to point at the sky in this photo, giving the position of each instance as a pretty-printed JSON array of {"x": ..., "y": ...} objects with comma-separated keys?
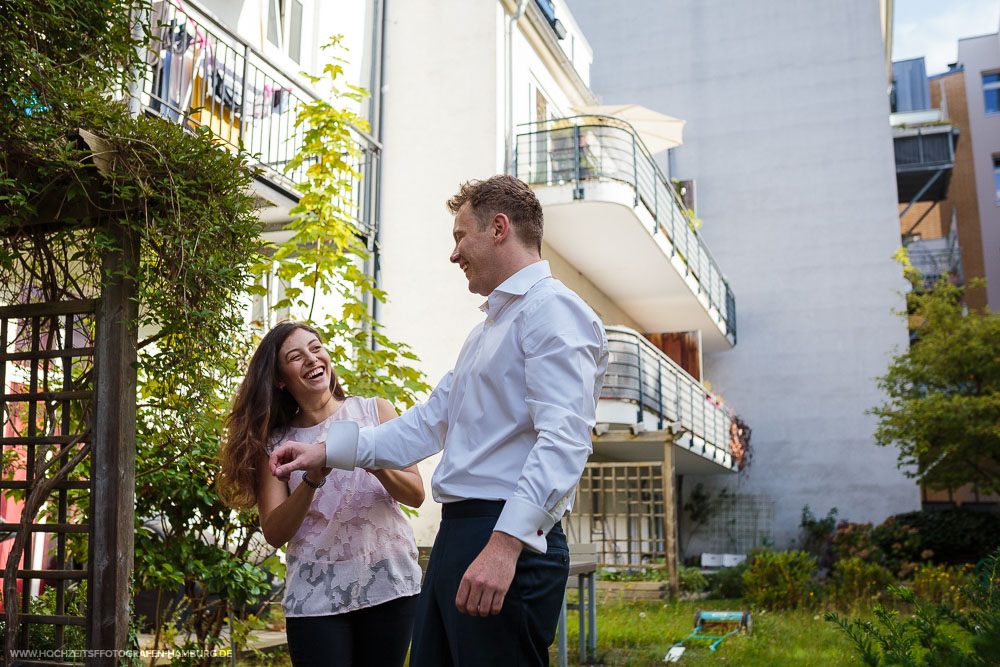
[{"x": 932, "y": 28}]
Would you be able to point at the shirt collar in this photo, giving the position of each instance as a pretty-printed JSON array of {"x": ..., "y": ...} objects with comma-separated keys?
[{"x": 517, "y": 285}]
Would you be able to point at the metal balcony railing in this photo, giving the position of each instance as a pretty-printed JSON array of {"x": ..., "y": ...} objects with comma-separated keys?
[
  {"x": 200, "y": 73},
  {"x": 640, "y": 373},
  {"x": 925, "y": 150},
  {"x": 601, "y": 148},
  {"x": 937, "y": 258}
]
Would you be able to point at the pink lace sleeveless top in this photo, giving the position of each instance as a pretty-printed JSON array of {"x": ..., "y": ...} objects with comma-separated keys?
[{"x": 355, "y": 547}]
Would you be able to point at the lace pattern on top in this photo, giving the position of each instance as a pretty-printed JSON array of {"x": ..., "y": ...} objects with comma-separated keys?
[{"x": 355, "y": 547}]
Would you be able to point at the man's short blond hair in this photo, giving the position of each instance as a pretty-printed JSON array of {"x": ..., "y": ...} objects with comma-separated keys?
[{"x": 503, "y": 194}]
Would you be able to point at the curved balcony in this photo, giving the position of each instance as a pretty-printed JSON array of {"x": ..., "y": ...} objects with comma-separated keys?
[
  {"x": 645, "y": 386},
  {"x": 611, "y": 212}
]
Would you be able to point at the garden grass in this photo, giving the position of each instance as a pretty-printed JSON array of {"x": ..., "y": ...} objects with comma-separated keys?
[{"x": 641, "y": 633}]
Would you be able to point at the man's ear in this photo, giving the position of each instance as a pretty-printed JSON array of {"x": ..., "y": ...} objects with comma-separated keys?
[{"x": 500, "y": 226}]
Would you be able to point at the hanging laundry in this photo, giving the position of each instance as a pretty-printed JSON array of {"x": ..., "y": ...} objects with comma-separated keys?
[
  {"x": 227, "y": 89},
  {"x": 173, "y": 69}
]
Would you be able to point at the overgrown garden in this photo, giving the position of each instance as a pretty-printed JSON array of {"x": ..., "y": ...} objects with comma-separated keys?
[{"x": 920, "y": 588}]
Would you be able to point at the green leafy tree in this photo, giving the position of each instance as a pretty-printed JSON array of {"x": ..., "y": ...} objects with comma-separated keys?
[
  {"x": 326, "y": 254},
  {"x": 943, "y": 394}
]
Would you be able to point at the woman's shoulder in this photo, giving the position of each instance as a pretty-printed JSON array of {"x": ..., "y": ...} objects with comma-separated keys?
[{"x": 362, "y": 409}]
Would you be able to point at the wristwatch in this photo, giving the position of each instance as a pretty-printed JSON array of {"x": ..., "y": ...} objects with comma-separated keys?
[{"x": 309, "y": 483}]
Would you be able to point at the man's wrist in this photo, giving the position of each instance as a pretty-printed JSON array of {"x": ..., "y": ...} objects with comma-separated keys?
[
  {"x": 526, "y": 522},
  {"x": 507, "y": 543}
]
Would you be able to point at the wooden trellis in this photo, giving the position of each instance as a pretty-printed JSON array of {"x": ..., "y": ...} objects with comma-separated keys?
[
  {"x": 628, "y": 511},
  {"x": 67, "y": 387}
]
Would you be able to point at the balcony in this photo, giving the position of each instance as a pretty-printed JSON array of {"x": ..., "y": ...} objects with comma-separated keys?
[
  {"x": 202, "y": 74},
  {"x": 644, "y": 386},
  {"x": 937, "y": 258},
  {"x": 611, "y": 213},
  {"x": 924, "y": 145}
]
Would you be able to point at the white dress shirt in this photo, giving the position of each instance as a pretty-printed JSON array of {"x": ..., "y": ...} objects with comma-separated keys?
[{"x": 513, "y": 417}]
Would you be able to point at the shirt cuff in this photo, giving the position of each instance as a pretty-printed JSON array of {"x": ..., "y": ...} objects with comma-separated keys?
[
  {"x": 527, "y": 522},
  {"x": 342, "y": 445}
]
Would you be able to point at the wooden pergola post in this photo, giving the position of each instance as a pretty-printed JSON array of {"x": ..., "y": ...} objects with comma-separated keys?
[
  {"x": 112, "y": 489},
  {"x": 670, "y": 515}
]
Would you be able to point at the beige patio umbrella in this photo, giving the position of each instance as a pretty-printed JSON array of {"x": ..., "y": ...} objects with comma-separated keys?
[{"x": 658, "y": 131}]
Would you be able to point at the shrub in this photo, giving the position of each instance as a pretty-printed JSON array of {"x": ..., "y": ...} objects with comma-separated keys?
[
  {"x": 940, "y": 584},
  {"x": 893, "y": 544},
  {"x": 956, "y": 536},
  {"x": 900, "y": 545},
  {"x": 779, "y": 579},
  {"x": 728, "y": 582},
  {"x": 934, "y": 634},
  {"x": 854, "y": 580},
  {"x": 691, "y": 579},
  {"x": 41, "y": 637},
  {"x": 855, "y": 540},
  {"x": 817, "y": 533}
]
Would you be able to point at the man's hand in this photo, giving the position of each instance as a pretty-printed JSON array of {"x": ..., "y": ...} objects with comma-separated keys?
[
  {"x": 294, "y": 455},
  {"x": 484, "y": 585}
]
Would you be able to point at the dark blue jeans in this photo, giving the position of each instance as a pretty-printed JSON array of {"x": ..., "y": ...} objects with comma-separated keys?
[{"x": 520, "y": 635}]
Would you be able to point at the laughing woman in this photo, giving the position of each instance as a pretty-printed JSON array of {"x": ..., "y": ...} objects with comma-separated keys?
[{"x": 352, "y": 574}]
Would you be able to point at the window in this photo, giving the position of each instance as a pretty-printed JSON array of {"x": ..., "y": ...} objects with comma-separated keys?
[
  {"x": 541, "y": 158},
  {"x": 284, "y": 26},
  {"x": 547, "y": 9},
  {"x": 541, "y": 106},
  {"x": 991, "y": 92},
  {"x": 685, "y": 190},
  {"x": 996, "y": 179}
]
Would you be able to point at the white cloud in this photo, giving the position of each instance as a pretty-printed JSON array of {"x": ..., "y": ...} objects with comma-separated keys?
[{"x": 932, "y": 29}]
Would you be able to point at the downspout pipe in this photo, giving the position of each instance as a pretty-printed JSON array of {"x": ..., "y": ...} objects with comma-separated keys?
[
  {"x": 378, "y": 92},
  {"x": 508, "y": 162},
  {"x": 140, "y": 19}
]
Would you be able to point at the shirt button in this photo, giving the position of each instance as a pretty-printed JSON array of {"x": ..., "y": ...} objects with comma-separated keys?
[{"x": 540, "y": 531}]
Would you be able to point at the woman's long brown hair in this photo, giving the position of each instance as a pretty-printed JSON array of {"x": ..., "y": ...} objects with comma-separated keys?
[{"x": 259, "y": 410}]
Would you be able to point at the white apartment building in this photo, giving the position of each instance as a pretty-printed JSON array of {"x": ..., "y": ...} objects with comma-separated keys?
[
  {"x": 791, "y": 157},
  {"x": 462, "y": 91},
  {"x": 614, "y": 233},
  {"x": 979, "y": 57}
]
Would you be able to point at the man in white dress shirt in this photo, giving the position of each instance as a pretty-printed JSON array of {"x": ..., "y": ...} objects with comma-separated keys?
[{"x": 513, "y": 419}]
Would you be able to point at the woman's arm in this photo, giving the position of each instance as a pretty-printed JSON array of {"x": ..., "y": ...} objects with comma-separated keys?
[
  {"x": 281, "y": 513},
  {"x": 405, "y": 485}
]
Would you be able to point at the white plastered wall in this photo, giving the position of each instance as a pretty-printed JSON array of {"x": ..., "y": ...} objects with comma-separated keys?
[
  {"x": 444, "y": 119},
  {"x": 788, "y": 141}
]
